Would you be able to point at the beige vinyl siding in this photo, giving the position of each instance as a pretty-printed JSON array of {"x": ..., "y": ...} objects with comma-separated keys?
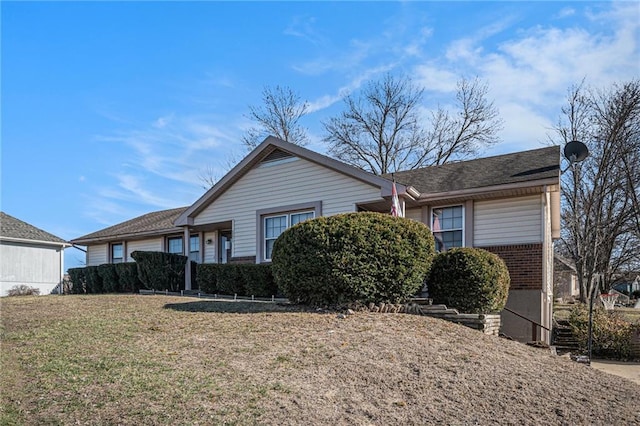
[
  {"x": 210, "y": 249},
  {"x": 98, "y": 254},
  {"x": 38, "y": 266},
  {"x": 415, "y": 214},
  {"x": 508, "y": 221},
  {"x": 154, "y": 244},
  {"x": 287, "y": 183}
]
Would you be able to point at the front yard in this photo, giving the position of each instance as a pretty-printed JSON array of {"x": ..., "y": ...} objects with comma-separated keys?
[{"x": 131, "y": 359}]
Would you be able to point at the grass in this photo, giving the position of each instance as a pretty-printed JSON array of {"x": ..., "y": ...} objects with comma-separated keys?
[
  {"x": 158, "y": 360},
  {"x": 561, "y": 311}
]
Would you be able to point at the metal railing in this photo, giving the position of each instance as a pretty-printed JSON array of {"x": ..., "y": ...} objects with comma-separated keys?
[{"x": 534, "y": 325}]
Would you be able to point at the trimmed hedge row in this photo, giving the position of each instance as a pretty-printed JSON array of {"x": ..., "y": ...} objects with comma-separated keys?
[
  {"x": 152, "y": 271},
  {"x": 241, "y": 279},
  {"x": 161, "y": 271},
  {"x": 106, "y": 278}
]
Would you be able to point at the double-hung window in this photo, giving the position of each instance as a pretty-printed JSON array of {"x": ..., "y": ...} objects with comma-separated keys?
[
  {"x": 447, "y": 224},
  {"x": 277, "y": 224},
  {"x": 117, "y": 253},
  {"x": 174, "y": 245},
  {"x": 194, "y": 248}
]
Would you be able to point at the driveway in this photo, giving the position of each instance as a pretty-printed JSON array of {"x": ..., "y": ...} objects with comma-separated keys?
[{"x": 628, "y": 370}]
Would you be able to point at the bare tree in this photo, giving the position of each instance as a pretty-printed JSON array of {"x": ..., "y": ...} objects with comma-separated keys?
[
  {"x": 600, "y": 209},
  {"x": 278, "y": 116},
  {"x": 381, "y": 130}
]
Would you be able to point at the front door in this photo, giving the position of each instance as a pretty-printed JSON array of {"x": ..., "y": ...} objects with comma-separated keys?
[{"x": 224, "y": 246}]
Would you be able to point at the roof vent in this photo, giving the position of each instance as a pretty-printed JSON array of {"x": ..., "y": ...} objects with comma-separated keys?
[{"x": 276, "y": 155}]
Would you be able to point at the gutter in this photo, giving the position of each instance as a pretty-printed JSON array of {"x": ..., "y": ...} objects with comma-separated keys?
[
  {"x": 42, "y": 242},
  {"x": 107, "y": 238}
]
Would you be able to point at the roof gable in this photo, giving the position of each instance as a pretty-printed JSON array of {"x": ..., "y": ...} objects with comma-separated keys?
[
  {"x": 274, "y": 149},
  {"x": 16, "y": 229}
]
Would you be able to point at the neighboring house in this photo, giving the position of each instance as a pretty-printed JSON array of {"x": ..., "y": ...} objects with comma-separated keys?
[
  {"x": 29, "y": 256},
  {"x": 508, "y": 204},
  {"x": 565, "y": 279}
]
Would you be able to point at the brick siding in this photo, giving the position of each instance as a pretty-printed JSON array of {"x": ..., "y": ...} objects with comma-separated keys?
[
  {"x": 524, "y": 262},
  {"x": 244, "y": 259}
]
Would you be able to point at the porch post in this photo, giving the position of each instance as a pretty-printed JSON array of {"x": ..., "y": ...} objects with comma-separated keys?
[{"x": 187, "y": 267}]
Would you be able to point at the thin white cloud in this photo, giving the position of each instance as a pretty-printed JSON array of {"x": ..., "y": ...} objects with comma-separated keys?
[
  {"x": 326, "y": 101},
  {"x": 304, "y": 27},
  {"x": 565, "y": 13}
]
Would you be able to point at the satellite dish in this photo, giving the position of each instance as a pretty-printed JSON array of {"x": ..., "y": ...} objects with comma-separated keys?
[{"x": 575, "y": 151}]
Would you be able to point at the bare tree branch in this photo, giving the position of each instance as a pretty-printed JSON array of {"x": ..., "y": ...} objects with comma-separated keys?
[
  {"x": 278, "y": 116},
  {"x": 600, "y": 195},
  {"x": 381, "y": 131}
]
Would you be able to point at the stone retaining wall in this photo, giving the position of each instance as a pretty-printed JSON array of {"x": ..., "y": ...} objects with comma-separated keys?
[{"x": 486, "y": 323}]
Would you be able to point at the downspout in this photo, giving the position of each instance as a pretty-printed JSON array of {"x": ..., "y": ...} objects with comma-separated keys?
[{"x": 547, "y": 265}]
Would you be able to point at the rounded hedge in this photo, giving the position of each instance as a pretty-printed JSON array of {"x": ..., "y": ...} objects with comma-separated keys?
[
  {"x": 352, "y": 257},
  {"x": 470, "y": 280}
]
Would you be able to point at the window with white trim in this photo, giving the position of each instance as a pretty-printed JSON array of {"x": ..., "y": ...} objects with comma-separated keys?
[
  {"x": 447, "y": 225},
  {"x": 117, "y": 253},
  {"x": 276, "y": 224}
]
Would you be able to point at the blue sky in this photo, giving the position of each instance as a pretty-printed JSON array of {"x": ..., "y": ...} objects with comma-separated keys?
[{"x": 113, "y": 109}]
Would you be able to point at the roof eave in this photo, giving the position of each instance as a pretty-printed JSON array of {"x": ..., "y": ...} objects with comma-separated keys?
[
  {"x": 128, "y": 236},
  {"x": 40, "y": 242},
  {"x": 471, "y": 192}
]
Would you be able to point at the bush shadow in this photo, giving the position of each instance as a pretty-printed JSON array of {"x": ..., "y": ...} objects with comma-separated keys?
[{"x": 234, "y": 307}]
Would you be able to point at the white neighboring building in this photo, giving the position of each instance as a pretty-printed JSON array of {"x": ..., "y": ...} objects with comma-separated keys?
[{"x": 29, "y": 255}]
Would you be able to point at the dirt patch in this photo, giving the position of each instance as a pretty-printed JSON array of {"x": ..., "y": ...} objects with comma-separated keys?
[{"x": 163, "y": 360}]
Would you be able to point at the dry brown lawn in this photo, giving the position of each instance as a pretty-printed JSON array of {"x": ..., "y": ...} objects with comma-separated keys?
[{"x": 136, "y": 360}]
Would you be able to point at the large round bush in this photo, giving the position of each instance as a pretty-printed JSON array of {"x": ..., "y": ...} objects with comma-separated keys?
[
  {"x": 353, "y": 257},
  {"x": 469, "y": 279}
]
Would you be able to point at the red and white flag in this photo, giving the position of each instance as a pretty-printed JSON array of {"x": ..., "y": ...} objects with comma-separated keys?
[{"x": 396, "y": 210}]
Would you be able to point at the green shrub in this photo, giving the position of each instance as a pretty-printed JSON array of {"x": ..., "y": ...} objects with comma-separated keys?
[
  {"x": 23, "y": 290},
  {"x": 78, "y": 280},
  {"x": 230, "y": 279},
  {"x": 109, "y": 276},
  {"x": 160, "y": 271},
  {"x": 353, "y": 257},
  {"x": 207, "y": 277},
  {"x": 469, "y": 279},
  {"x": 128, "y": 280},
  {"x": 93, "y": 280},
  {"x": 611, "y": 333},
  {"x": 258, "y": 280}
]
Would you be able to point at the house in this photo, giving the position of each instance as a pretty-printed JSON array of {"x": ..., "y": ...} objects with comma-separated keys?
[
  {"x": 565, "y": 278},
  {"x": 29, "y": 256},
  {"x": 507, "y": 204}
]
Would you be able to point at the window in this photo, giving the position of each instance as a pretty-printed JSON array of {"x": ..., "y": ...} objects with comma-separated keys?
[
  {"x": 194, "y": 248},
  {"x": 117, "y": 253},
  {"x": 276, "y": 225},
  {"x": 447, "y": 226},
  {"x": 174, "y": 245}
]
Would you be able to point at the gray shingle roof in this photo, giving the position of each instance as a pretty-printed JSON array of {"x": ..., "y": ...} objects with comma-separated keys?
[
  {"x": 149, "y": 223},
  {"x": 10, "y": 227},
  {"x": 504, "y": 169}
]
